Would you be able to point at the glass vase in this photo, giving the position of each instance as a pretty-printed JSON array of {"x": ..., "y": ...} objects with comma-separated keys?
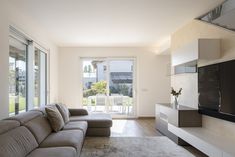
[{"x": 176, "y": 102}]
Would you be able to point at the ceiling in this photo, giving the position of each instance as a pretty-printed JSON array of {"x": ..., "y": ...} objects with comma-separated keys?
[{"x": 112, "y": 22}]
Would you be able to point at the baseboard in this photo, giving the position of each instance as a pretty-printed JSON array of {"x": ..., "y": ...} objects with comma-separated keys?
[
  {"x": 128, "y": 118},
  {"x": 123, "y": 118},
  {"x": 146, "y": 117}
]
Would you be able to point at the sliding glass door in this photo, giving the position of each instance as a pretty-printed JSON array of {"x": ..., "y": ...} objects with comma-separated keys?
[
  {"x": 108, "y": 85},
  {"x": 27, "y": 74},
  {"x": 17, "y": 76},
  {"x": 121, "y": 86}
]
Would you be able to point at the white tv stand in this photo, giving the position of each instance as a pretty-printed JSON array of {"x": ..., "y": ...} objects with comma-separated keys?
[
  {"x": 210, "y": 144},
  {"x": 184, "y": 124},
  {"x": 181, "y": 117}
]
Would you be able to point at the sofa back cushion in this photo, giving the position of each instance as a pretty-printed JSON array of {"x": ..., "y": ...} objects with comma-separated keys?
[
  {"x": 64, "y": 111},
  {"x": 26, "y": 116},
  {"x": 55, "y": 118},
  {"x": 17, "y": 142},
  {"x": 6, "y": 125},
  {"x": 39, "y": 127}
]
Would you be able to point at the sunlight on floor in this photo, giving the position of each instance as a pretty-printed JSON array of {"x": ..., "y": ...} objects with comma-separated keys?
[
  {"x": 133, "y": 128},
  {"x": 119, "y": 126}
]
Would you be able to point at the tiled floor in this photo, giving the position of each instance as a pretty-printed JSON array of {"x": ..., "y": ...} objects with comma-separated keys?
[{"x": 141, "y": 128}]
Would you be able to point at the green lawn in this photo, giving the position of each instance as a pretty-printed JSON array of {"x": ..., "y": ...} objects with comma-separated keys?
[
  {"x": 12, "y": 104},
  {"x": 22, "y": 103}
]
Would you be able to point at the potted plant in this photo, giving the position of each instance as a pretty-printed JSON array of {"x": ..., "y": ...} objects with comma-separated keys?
[{"x": 176, "y": 94}]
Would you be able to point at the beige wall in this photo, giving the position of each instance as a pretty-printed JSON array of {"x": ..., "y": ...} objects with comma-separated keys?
[
  {"x": 10, "y": 16},
  {"x": 194, "y": 30},
  {"x": 153, "y": 84}
]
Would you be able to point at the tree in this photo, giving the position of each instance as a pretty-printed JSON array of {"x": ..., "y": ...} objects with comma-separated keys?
[
  {"x": 123, "y": 89},
  {"x": 89, "y": 70},
  {"x": 100, "y": 87},
  {"x": 85, "y": 69},
  {"x": 96, "y": 88}
]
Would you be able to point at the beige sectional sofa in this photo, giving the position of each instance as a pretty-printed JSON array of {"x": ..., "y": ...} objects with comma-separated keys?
[{"x": 30, "y": 134}]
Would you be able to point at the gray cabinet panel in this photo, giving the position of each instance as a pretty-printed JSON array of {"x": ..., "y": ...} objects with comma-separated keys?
[{"x": 181, "y": 117}]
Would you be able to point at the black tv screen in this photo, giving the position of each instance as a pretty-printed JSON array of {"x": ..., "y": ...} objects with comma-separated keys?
[{"x": 216, "y": 89}]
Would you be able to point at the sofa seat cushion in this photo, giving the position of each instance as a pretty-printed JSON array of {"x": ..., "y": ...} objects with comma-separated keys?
[
  {"x": 65, "y": 138},
  {"x": 98, "y": 120},
  {"x": 54, "y": 152},
  {"x": 77, "y": 125},
  {"x": 17, "y": 142}
]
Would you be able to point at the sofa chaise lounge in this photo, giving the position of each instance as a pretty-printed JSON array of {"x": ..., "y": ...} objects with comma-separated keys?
[{"x": 30, "y": 134}]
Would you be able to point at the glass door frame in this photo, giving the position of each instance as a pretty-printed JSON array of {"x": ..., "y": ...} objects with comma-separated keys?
[
  {"x": 134, "y": 83},
  {"x": 44, "y": 51}
]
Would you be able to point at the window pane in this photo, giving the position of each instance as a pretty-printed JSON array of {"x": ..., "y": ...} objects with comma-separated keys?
[
  {"x": 17, "y": 77},
  {"x": 43, "y": 78},
  {"x": 121, "y": 86},
  {"x": 95, "y": 84},
  {"x": 39, "y": 78},
  {"x": 36, "y": 78}
]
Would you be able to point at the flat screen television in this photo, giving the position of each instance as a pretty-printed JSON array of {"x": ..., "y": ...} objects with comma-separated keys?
[{"x": 216, "y": 90}]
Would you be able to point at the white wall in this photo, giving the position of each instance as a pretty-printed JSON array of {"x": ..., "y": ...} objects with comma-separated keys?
[
  {"x": 153, "y": 84},
  {"x": 10, "y": 16},
  {"x": 189, "y": 94},
  {"x": 3, "y": 63}
]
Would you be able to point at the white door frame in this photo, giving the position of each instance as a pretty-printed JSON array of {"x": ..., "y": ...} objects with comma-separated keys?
[{"x": 134, "y": 83}]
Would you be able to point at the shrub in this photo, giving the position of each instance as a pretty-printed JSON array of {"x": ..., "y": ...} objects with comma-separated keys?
[{"x": 96, "y": 88}]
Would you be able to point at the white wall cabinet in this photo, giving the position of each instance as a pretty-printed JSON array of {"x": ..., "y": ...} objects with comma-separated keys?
[{"x": 205, "y": 49}]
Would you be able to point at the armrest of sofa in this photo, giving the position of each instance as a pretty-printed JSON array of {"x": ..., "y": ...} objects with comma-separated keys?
[{"x": 78, "y": 112}]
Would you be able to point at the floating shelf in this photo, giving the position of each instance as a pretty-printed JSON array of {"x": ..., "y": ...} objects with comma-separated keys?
[{"x": 200, "y": 49}]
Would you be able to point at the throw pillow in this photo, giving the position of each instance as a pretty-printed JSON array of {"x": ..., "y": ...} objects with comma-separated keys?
[
  {"x": 55, "y": 118},
  {"x": 64, "y": 111}
]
